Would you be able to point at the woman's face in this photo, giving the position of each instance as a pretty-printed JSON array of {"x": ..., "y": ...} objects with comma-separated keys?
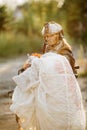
[{"x": 51, "y": 39}]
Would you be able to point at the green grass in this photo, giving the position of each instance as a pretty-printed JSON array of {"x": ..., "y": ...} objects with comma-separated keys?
[
  {"x": 12, "y": 44},
  {"x": 82, "y": 62},
  {"x": 83, "y": 74}
]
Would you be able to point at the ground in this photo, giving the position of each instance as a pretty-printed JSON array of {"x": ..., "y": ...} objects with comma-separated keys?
[{"x": 7, "y": 70}]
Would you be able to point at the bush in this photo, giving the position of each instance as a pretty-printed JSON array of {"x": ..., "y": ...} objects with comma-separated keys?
[{"x": 17, "y": 44}]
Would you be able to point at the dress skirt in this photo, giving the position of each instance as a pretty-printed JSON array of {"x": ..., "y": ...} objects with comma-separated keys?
[{"x": 47, "y": 95}]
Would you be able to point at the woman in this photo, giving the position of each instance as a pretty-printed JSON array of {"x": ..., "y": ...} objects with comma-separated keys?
[
  {"x": 47, "y": 96},
  {"x": 54, "y": 41}
]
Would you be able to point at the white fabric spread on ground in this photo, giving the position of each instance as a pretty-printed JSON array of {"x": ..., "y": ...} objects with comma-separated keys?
[{"x": 48, "y": 97}]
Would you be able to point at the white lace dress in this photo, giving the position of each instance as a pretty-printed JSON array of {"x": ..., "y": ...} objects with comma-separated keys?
[{"x": 47, "y": 96}]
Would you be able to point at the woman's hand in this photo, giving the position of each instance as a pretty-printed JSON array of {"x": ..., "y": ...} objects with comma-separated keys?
[{"x": 26, "y": 65}]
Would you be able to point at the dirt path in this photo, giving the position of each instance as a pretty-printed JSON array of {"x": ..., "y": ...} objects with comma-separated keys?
[{"x": 7, "y": 71}]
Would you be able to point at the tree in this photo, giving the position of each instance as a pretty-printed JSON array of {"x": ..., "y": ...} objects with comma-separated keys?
[
  {"x": 76, "y": 19},
  {"x": 3, "y": 18}
]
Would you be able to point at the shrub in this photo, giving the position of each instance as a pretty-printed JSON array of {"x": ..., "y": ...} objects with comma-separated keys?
[{"x": 17, "y": 44}]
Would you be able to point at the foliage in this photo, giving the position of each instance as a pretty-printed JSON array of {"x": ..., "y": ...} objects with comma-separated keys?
[
  {"x": 35, "y": 15},
  {"x": 84, "y": 74},
  {"x": 13, "y": 45},
  {"x": 24, "y": 35},
  {"x": 3, "y": 18},
  {"x": 72, "y": 16},
  {"x": 76, "y": 23}
]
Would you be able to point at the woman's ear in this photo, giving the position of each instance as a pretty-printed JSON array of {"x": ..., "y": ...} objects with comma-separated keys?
[{"x": 61, "y": 34}]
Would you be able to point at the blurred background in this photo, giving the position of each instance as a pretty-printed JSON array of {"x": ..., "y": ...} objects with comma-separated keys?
[{"x": 21, "y": 22}]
